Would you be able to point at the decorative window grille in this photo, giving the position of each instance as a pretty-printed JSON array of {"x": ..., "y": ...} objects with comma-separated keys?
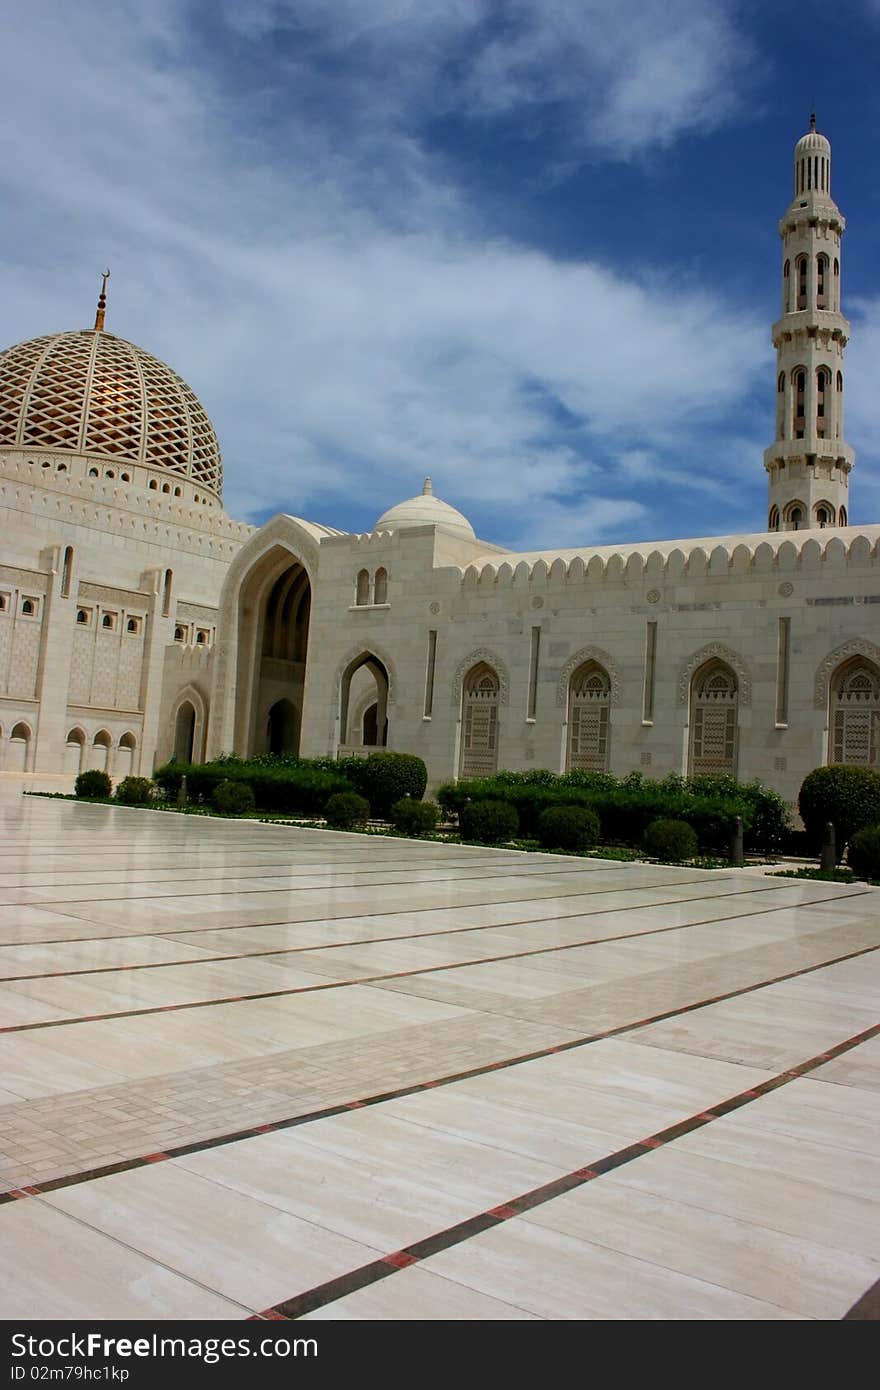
[
  {"x": 479, "y": 731},
  {"x": 855, "y": 723},
  {"x": 714, "y": 701},
  {"x": 589, "y": 699}
]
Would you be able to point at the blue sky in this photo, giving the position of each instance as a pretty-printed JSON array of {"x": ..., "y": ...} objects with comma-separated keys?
[{"x": 526, "y": 246}]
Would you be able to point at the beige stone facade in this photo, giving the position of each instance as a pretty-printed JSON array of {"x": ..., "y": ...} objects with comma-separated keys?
[{"x": 138, "y": 621}]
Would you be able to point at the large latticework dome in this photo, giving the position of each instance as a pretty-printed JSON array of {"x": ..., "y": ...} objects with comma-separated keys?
[{"x": 93, "y": 393}]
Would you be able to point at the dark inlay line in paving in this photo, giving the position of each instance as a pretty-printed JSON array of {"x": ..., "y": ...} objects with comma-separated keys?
[
  {"x": 323, "y": 1294},
  {"x": 186, "y": 929},
  {"x": 370, "y": 979},
  {"x": 414, "y": 936},
  {"x": 399, "y": 1092},
  {"x": 199, "y": 892}
]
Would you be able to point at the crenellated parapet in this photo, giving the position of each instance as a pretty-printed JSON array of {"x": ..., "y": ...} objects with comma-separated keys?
[{"x": 805, "y": 552}]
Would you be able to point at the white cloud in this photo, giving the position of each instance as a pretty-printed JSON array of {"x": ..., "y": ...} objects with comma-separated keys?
[{"x": 334, "y": 300}]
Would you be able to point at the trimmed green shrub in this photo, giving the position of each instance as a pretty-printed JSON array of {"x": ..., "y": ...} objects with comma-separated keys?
[
  {"x": 232, "y": 798},
  {"x": 92, "y": 784},
  {"x": 282, "y": 788},
  {"x": 863, "y": 853},
  {"x": 770, "y": 820},
  {"x": 346, "y": 811},
  {"x": 673, "y": 841},
  {"x": 135, "y": 791},
  {"x": 488, "y": 822},
  {"x": 849, "y": 797},
  {"x": 625, "y": 809},
  {"x": 413, "y": 817},
  {"x": 568, "y": 827},
  {"x": 384, "y": 778}
]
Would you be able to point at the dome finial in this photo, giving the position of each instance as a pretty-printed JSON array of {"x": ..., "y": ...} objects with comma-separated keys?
[
  {"x": 428, "y": 488},
  {"x": 813, "y": 120},
  {"x": 102, "y": 303}
]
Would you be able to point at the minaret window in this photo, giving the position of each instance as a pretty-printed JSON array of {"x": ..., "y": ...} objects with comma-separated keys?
[
  {"x": 773, "y": 521},
  {"x": 821, "y": 282},
  {"x": 786, "y": 287},
  {"x": 800, "y": 390},
  {"x": 801, "y": 267},
  {"x": 794, "y": 516},
  {"x": 836, "y": 284},
  {"x": 824, "y": 515},
  {"x": 823, "y": 382},
  {"x": 841, "y": 520}
]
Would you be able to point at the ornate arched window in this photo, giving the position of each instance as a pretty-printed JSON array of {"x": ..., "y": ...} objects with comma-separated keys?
[
  {"x": 773, "y": 519},
  {"x": 380, "y": 586},
  {"x": 855, "y": 715},
  {"x": 800, "y": 392},
  {"x": 836, "y": 283},
  {"x": 714, "y": 704},
  {"x": 822, "y": 281},
  {"x": 823, "y": 400},
  {"x": 824, "y": 514},
  {"x": 841, "y": 520},
  {"x": 589, "y": 703},
  {"x": 801, "y": 276},
  {"x": 363, "y": 588},
  {"x": 794, "y": 516},
  {"x": 479, "y": 722}
]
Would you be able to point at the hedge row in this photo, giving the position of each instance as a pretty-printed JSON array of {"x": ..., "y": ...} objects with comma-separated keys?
[
  {"x": 300, "y": 786},
  {"x": 627, "y": 807}
]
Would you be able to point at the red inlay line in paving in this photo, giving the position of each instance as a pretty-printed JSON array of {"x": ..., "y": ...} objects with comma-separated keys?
[
  {"x": 415, "y": 1088},
  {"x": 381, "y": 979},
  {"x": 504, "y": 871},
  {"x": 405, "y": 936},
  {"x": 405, "y": 912},
  {"x": 334, "y": 1289}
]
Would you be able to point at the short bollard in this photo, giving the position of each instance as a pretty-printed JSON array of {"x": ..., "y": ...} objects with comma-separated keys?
[
  {"x": 181, "y": 792},
  {"x": 737, "y": 858},
  {"x": 828, "y": 857}
]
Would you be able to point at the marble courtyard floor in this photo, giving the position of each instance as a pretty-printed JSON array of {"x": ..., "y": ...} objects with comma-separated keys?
[{"x": 248, "y": 1069}]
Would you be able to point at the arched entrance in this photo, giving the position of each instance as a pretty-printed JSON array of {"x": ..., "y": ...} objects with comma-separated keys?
[
  {"x": 363, "y": 713},
  {"x": 282, "y": 728},
  {"x": 184, "y": 733},
  {"x": 73, "y": 752},
  {"x": 273, "y": 635}
]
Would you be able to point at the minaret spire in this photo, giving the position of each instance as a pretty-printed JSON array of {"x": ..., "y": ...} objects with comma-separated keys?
[
  {"x": 809, "y": 464},
  {"x": 102, "y": 303}
]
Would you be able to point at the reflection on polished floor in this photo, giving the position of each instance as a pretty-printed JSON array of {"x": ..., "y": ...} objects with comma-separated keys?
[{"x": 249, "y": 1069}]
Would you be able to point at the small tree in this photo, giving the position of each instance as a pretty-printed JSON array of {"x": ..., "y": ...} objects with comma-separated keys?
[{"x": 849, "y": 797}]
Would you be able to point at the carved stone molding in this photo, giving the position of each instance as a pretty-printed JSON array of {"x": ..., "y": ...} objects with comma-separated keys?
[
  {"x": 473, "y": 659},
  {"x": 859, "y": 646},
  {"x": 716, "y": 651},
  {"x": 585, "y": 654}
]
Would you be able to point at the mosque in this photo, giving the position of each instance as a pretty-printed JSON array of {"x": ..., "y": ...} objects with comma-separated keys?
[{"x": 139, "y": 621}]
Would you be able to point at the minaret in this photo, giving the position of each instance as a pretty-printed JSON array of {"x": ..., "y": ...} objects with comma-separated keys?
[{"x": 809, "y": 464}]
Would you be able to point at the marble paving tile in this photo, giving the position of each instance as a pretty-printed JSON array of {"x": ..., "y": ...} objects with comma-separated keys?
[
  {"x": 790, "y": 1272},
  {"x": 243, "y": 1249},
  {"x": 555, "y": 1275},
  {"x": 59, "y": 1268}
]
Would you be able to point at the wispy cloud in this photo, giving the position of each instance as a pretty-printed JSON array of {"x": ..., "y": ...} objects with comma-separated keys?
[{"x": 281, "y": 230}]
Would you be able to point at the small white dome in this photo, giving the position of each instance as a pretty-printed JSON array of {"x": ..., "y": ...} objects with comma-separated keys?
[{"x": 426, "y": 510}]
